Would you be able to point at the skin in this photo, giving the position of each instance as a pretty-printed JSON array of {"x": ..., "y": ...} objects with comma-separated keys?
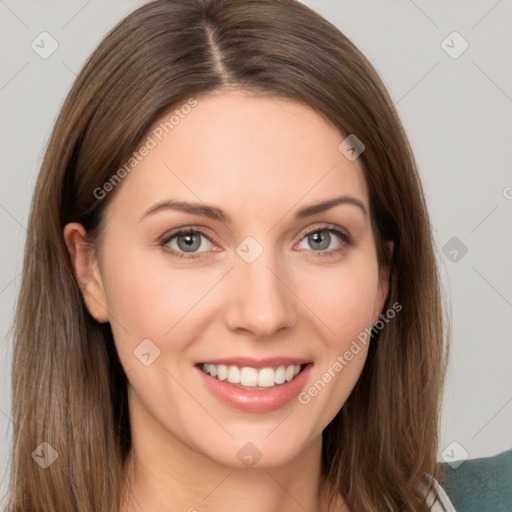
[{"x": 260, "y": 160}]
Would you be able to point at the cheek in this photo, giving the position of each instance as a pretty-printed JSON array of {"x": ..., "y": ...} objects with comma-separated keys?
[
  {"x": 345, "y": 302},
  {"x": 151, "y": 300},
  {"x": 149, "y": 293},
  {"x": 343, "y": 297}
]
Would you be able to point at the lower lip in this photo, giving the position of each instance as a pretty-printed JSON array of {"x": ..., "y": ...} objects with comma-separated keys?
[{"x": 253, "y": 400}]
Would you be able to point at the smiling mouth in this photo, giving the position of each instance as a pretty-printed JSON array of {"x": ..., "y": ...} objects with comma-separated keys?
[{"x": 247, "y": 377}]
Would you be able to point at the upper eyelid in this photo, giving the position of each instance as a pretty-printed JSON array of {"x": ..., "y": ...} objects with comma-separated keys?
[
  {"x": 169, "y": 235},
  {"x": 340, "y": 232},
  {"x": 326, "y": 226}
]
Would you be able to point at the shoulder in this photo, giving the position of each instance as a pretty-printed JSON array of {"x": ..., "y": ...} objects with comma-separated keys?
[
  {"x": 480, "y": 484},
  {"x": 437, "y": 498}
]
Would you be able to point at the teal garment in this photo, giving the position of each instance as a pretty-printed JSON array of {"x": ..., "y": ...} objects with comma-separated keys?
[{"x": 480, "y": 485}]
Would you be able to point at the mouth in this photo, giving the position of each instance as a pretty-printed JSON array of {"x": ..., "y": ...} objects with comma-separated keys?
[
  {"x": 248, "y": 377},
  {"x": 255, "y": 386}
]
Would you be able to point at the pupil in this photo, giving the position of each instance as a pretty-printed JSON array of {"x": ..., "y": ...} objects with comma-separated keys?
[
  {"x": 189, "y": 242},
  {"x": 320, "y": 240}
]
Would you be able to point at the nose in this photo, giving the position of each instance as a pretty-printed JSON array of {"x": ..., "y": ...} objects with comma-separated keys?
[{"x": 260, "y": 302}]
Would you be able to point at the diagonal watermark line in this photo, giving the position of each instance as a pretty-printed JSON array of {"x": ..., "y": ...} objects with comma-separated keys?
[
  {"x": 300, "y": 199},
  {"x": 217, "y": 486},
  {"x": 499, "y": 1},
  {"x": 424, "y": 14},
  {"x": 484, "y": 218},
  {"x": 493, "y": 490},
  {"x": 108, "y": 107},
  {"x": 492, "y": 81},
  {"x": 301, "y": 300},
  {"x": 14, "y": 76},
  {"x": 198, "y": 402},
  {"x": 494, "y": 288},
  {"x": 14, "y": 423},
  {"x": 76, "y": 14},
  {"x": 279, "y": 424},
  {"x": 74, "y": 74},
  {"x": 165, "y": 165},
  {"x": 9, "y": 283},
  {"x": 108, "y": 313},
  {"x": 20, "y": 430},
  {"x": 197, "y": 302},
  {"x": 506, "y": 403},
  {"x": 3, "y": 3},
  {"x": 428, "y": 72},
  {"x": 286, "y": 490},
  {"x": 200, "y": 200},
  {"x": 13, "y": 217}
]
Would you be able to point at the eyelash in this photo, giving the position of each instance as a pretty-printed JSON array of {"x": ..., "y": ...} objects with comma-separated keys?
[{"x": 346, "y": 241}]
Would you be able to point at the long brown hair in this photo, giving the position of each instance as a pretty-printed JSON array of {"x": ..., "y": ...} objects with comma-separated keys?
[{"x": 69, "y": 388}]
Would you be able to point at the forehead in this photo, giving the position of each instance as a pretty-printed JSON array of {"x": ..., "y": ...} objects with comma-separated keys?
[{"x": 242, "y": 152}]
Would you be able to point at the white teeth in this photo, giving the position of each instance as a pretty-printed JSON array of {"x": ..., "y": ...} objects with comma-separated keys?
[
  {"x": 222, "y": 371},
  {"x": 279, "y": 375},
  {"x": 266, "y": 377},
  {"x": 252, "y": 377},
  {"x": 248, "y": 376},
  {"x": 234, "y": 374}
]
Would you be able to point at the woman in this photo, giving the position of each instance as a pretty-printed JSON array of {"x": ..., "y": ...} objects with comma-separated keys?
[{"x": 230, "y": 296}]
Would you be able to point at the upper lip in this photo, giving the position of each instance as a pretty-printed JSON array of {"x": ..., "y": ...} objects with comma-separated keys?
[{"x": 269, "y": 362}]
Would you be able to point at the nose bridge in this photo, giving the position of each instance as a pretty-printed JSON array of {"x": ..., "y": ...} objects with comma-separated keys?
[{"x": 260, "y": 302}]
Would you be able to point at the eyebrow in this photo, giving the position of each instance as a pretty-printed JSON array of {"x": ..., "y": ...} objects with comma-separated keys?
[{"x": 212, "y": 212}]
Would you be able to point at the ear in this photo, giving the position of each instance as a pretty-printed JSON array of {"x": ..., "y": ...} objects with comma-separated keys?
[
  {"x": 384, "y": 280},
  {"x": 87, "y": 274}
]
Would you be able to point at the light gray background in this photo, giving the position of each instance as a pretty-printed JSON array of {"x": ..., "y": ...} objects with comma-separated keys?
[{"x": 457, "y": 113}]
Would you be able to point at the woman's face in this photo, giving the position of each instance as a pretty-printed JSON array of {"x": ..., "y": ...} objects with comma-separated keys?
[{"x": 270, "y": 271}]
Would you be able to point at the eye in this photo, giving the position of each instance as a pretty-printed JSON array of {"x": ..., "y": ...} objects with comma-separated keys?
[
  {"x": 324, "y": 239},
  {"x": 187, "y": 241}
]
